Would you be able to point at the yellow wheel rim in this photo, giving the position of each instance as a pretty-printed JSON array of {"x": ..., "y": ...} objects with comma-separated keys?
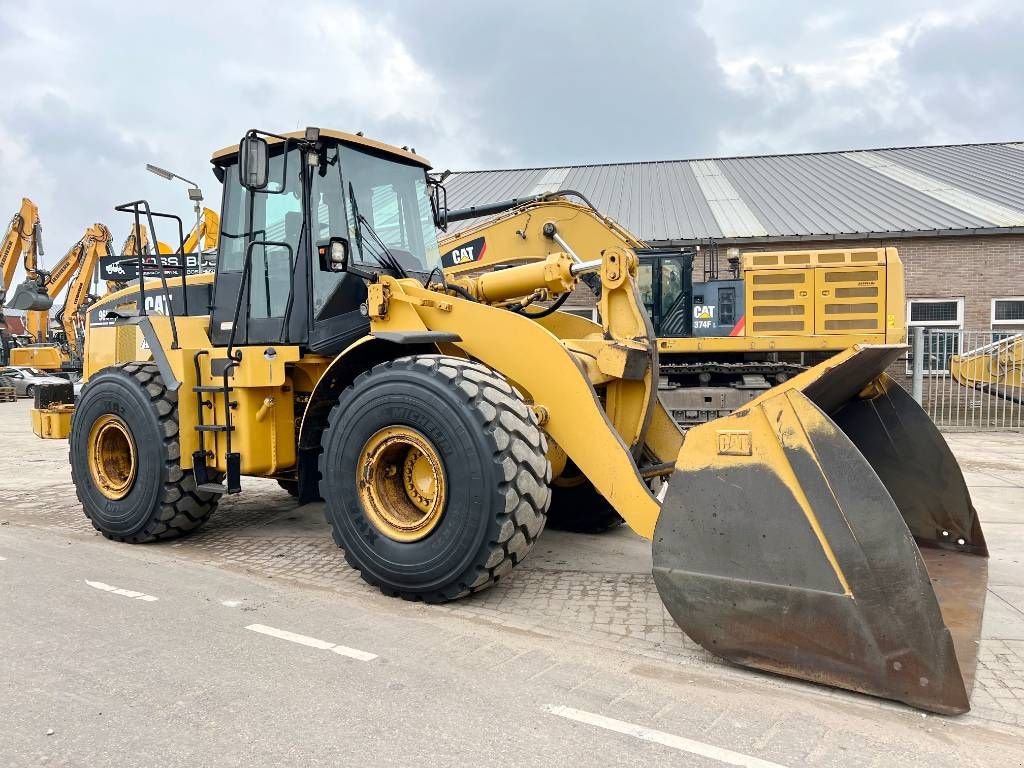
[
  {"x": 112, "y": 459},
  {"x": 401, "y": 483}
]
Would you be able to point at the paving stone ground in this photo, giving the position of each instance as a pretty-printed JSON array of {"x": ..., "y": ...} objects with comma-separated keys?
[{"x": 593, "y": 589}]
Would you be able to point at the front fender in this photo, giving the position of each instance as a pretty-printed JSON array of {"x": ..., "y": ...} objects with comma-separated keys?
[{"x": 357, "y": 357}]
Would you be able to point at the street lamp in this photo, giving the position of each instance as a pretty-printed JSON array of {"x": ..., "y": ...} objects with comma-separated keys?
[{"x": 195, "y": 194}]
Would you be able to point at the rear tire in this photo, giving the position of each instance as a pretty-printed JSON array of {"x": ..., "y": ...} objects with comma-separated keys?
[
  {"x": 494, "y": 476},
  {"x": 577, "y": 506},
  {"x": 158, "y": 500}
]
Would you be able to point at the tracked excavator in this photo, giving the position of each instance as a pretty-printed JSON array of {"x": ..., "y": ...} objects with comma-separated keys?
[
  {"x": 23, "y": 236},
  {"x": 37, "y": 294},
  {"x": 823, "y": 532}
]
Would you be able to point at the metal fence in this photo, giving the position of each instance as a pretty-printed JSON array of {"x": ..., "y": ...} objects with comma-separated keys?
[{"x": 968, "y": 380}]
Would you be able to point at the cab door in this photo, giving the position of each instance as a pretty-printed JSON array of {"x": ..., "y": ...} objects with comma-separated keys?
[
  {"x": 665, "y": 282},
  {"x": 272, "y": 291}
]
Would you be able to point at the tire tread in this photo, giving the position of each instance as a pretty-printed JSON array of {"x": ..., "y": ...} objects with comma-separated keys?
[
  {"x": 520, "y": 450},
  {"x": 182, "y": 508}
]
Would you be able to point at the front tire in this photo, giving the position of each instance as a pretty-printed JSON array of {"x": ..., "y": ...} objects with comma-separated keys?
[
  {"x": 124, "y": 456},
  {"x": 434, "y": 476}
]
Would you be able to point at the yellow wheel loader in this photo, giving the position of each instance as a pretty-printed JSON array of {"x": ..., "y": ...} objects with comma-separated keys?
[{"x": 822, "y": 532}]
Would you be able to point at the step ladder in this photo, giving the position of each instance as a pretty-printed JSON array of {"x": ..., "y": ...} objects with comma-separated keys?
[{"x": 206, "y": 398}]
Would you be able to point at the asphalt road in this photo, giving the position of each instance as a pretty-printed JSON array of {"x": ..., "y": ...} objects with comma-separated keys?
[
  {"x": 189, "y": 664},
  {"x": 252, "y": 643}
]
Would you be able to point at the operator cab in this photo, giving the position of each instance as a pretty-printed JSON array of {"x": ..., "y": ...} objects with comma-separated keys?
[{"x": 306, "y": 217}]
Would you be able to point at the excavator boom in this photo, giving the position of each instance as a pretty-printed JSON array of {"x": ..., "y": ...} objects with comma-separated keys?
[
  {"x": 37, "y": 294},
  {"x": 23, "y": 237}
]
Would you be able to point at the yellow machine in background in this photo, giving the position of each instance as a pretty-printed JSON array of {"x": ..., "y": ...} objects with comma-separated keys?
[
  {"x": 721, "y": 343},
  {"x": 23, "y": 236},
  {"x": 37, "y": 294},
  {"x": 137, "y": 242},
  {"x": 199, "y": 244},
  {"x": 997, "y": 368},
  {"x": 435, "y": 409}
]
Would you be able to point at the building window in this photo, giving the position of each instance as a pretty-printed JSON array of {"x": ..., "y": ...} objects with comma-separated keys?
[
  {"x": 588, "y": 312},
  {"x": 943, "y": 321},
  {"x": 1007, "y": 315}
]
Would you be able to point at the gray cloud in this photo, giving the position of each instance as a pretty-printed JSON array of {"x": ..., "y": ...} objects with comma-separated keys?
[
  {"x": 969, "y": 76},
  {"x": 565, "y": 82},
  {"x": 475, "y": 84}
]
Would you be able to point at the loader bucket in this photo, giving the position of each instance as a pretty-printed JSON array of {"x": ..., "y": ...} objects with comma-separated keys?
[
  {"x": 789, "y": 539},
  {"x": 31, "y": 297}
]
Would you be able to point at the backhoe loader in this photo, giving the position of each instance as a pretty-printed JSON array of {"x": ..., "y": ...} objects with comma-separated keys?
[
  {"x": 37, "y": 294},
  {"x": 432, "y": 410}
]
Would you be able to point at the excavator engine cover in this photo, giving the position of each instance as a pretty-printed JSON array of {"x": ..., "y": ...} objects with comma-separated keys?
[
  {"x": 825, "y": 532},
  {"x": 31, "y": 297}
]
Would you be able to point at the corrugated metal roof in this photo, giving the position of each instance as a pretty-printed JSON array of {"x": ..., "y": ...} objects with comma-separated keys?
[{"x": 861, "y": 193}]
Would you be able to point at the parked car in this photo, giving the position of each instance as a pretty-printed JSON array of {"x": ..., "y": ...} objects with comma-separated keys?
[{"x": 26, "y": 380}]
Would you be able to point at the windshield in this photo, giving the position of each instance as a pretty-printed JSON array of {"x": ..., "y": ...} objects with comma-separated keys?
[{"x": 392, "y": 197}]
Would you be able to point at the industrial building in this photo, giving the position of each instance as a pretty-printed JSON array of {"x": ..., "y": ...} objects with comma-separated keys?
[{"x": 955, "y": 212}]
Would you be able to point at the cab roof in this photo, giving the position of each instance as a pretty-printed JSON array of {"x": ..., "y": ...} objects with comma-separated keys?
[{"x": 346, "y": 138}]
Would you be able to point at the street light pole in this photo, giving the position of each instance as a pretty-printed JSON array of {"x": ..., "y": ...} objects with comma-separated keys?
[{"x": 195, "y": 194}]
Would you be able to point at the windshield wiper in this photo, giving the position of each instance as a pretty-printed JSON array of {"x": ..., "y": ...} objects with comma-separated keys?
[{"x": 385, "y": 258}]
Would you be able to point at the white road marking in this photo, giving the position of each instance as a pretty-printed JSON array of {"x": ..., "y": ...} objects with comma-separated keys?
[
  {"x": 312, "y": 642},
  {"x": 726, "y": 756},
  {"x": 2, "y": 557},
  {"x": 123, "y": 592},
  {"x": 231, "y": 603}
]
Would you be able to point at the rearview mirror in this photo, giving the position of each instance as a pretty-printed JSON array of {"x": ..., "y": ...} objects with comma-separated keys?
[
  {"x": 439, "y": 200},
  {"x": 253, "y": 162},
  {"x": 334, "y": 255}
]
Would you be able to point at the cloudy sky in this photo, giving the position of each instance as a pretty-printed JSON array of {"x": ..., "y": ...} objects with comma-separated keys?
[{"x": 96, "y": 90}]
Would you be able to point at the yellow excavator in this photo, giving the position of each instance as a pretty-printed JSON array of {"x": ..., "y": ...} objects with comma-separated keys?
[
  {"x": 823, "y": 532},
  {"x": 37, "y": 294},
  {"x": 23, "y": 236}
]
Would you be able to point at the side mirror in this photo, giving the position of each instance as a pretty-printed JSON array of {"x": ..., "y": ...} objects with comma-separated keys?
[
  {"x": 253, "y": 162},
  {"x": 439, "y": 200},
  {"x": 334, "y": 255}
]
